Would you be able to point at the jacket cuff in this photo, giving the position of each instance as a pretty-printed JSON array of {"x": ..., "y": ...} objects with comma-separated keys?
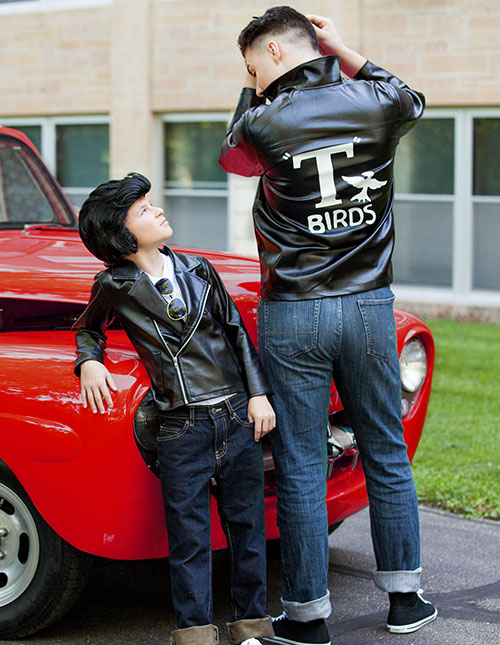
[
  {"x": 248, "y": 99},
  {"x": 369, "y": 71},
  {"x": 82, "y": 359}
]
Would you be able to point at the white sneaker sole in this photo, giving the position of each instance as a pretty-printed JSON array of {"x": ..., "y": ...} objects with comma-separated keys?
[{"x": 412, "y": 627}]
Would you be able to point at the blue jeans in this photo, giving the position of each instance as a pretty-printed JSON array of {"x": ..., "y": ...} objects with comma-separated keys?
[
  {"x": 195, "y": 444},
  {"x": 303, "y": 345}
]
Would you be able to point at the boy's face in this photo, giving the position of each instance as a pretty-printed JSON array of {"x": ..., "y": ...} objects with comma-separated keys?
[{"x": 148, "y": 224}]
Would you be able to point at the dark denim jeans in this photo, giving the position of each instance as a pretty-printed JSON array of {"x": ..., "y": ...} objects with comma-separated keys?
[
  {"x": 303, "y": 344},
  {"x": 195, "y": 444}
]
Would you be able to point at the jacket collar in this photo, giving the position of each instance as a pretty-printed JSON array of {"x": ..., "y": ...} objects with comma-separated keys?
[
  {"x": 313, "y": 73},
  {"x": 143, "y": 291},
  {"x": 127, "y": 270}
]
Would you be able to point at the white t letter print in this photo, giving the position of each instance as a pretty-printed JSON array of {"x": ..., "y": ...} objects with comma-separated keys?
[{"x": 325, "y": 171}]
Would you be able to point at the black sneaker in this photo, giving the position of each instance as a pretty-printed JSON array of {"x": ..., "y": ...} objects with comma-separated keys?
[
  {"x": 293, "y": 632},
  {"x": 404, "y": 619}
]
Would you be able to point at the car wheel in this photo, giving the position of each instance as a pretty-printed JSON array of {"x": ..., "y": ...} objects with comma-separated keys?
[{"x": 41, "y": 575}]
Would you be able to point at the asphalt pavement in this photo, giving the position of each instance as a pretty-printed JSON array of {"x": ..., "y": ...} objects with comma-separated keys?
[{"x": 129, "y": 602}]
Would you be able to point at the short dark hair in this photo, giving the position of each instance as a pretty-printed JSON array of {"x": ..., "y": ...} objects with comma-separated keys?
[
  {"x": 277, "y": 20},
  {"x": 103, "y": 214}
]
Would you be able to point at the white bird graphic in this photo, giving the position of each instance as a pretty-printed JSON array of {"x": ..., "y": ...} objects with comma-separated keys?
[{"x": 364, "y": 181}]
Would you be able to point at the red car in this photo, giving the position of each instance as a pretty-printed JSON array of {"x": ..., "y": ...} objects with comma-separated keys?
[{"x": 74, "y": 485}]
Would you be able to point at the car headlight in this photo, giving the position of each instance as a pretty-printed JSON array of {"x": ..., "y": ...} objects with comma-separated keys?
[{"x": 413, "y": 363}]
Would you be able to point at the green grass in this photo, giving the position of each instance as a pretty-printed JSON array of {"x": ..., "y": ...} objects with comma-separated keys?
[{"x": 457, "y": 464}]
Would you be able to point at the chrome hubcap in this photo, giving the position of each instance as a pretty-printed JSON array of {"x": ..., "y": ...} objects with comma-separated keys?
[{"x": 19, "y": 546}]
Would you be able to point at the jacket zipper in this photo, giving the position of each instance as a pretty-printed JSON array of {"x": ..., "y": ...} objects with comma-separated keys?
[{"x": 175, "y": 360}]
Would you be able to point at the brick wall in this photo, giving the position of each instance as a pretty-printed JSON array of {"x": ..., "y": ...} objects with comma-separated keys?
[
  {"x": 136, "y": 59},
  {"x": 62, "y": 62},
  {"x": 447, "y": 48},
  {"x": 55, "y": 62}
]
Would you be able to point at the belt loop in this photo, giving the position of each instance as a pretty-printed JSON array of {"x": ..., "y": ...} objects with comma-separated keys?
[
  {"x": 192, "y": 416},
  {"x": 229, "y": 408}
]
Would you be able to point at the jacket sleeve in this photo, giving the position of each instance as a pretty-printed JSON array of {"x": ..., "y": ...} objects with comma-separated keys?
[
  {"x": 411, "y": 102},
  {"x": 238, "y": 154},
  {"x": 91, "y": 326},
  {"x": 236, "y": 334}
]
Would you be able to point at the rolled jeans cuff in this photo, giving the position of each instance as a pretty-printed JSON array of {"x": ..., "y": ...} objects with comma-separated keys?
[
  {"x": 398, "y": 581},
  {"x": 303, "y": 612},
  {"x": 246, "y": 628}
]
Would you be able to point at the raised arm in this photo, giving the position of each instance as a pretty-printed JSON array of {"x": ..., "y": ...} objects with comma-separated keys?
[{"x": 331, "y": 43}]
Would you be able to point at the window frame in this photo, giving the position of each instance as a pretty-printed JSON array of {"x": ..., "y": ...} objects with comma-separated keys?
[
  {"x": 48, "y": 149},
  {"x": 463, "y": 199},
  {"x": 193, "y": 117}
]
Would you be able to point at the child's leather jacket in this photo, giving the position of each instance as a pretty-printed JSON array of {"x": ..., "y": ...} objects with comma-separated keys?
[
  {"x": 208, "y": 354},
  {"x": 324, "y": 148}
]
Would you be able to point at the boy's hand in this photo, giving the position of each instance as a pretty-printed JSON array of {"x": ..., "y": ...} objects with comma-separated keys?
[
  {"x": 261, "y": 413},
  {"x": 95, "y": 381},
  {"x": 330, "y": 42},
  {"x": 250, "y": 80}
]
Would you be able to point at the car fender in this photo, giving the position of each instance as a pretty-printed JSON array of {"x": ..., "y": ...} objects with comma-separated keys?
[{"x": 82, "y": 471}]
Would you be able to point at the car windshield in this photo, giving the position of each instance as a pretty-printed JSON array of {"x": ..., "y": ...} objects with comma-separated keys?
[{"x": 27, "y": 193}]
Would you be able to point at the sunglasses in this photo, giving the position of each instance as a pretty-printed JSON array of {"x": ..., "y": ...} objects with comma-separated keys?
[{"x": 176, "y": 309}]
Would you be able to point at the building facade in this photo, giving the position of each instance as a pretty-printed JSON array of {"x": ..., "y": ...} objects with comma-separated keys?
[{"x": 104, "y": 87}]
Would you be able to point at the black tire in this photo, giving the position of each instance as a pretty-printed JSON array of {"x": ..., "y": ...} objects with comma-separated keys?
[{"x": 41, "y": 575}]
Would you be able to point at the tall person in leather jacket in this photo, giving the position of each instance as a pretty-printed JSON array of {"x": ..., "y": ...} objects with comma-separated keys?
[
  {"x": 210, "y": 390},
  {"x": 323, "y": 147}
]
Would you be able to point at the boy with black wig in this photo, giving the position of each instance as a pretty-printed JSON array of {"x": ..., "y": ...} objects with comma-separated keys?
[{"x": 209, "y": 388}]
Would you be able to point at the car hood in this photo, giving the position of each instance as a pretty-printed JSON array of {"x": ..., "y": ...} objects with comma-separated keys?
[{"x": 52, "y": 264}]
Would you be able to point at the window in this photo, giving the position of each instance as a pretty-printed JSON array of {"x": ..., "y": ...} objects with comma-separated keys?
[
  {"x": 195, "y": 186},
  {"x": 447, "y": 207},
  {"x": 75, "y": 149},
  {"x": 486, "y": 203},
  {"x": 423, "y": 210},
  {"x": 82, "y": 158},
  {"x": 26, "y": 194}
]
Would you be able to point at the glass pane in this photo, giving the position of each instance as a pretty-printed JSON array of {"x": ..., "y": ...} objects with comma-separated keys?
[
  {"x": 424, "y": 243},
  {"x": 192, "y": 155},
  {"x": 486, "y": 156},
  {"x": 486, "y": 257},
  {"x": 21, "y": 200},
  {"x": 425, "y": 159},
  {"x": 200, "y": 222},
  {"x": 33, "y": 132},
  {"x": 82, "y": 154}
]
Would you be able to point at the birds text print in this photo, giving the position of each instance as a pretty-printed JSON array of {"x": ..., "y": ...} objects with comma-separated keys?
[{"x": 354, "y": 216}]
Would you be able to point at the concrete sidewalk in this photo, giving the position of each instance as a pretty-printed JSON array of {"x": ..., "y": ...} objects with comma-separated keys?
[
  {"x": 461, "y": 561},
  {"x": 129, "y": 602}
]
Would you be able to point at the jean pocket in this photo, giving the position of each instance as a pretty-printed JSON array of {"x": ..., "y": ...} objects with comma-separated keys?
[
  {"x": 291, "y": 328},
  {"x": 241, "y": 416},
  {"x": 380, "y": 327},
  {"x": 171, "y": 428}
]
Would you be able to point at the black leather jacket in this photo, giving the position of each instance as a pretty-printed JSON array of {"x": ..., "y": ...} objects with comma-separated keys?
[
  {"x": 324, "y": 148},
  {"x": 209, "y": 354}
]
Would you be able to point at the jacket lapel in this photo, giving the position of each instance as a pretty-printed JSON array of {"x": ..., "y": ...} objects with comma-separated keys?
[
  {"x": 193, "y": 290},
  {"x": 145, "y": 294}
]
